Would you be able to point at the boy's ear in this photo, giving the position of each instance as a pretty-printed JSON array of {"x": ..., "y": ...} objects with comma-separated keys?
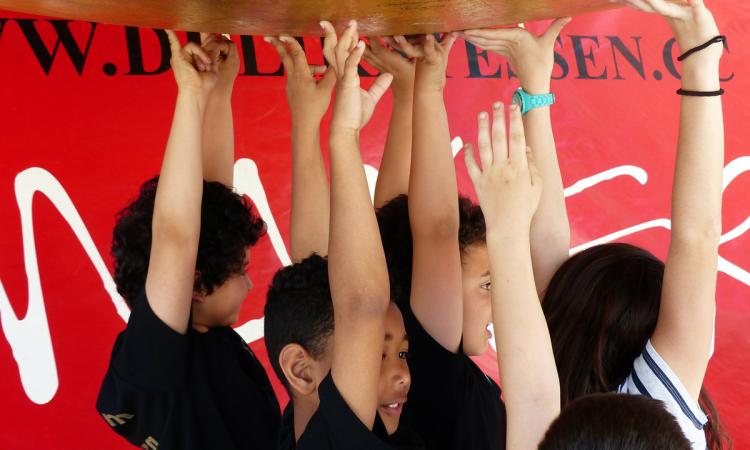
[{"x": 297, "y": 366}]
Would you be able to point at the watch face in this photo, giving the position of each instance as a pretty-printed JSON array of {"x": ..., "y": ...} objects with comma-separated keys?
[{"x": 517, "y": 99}]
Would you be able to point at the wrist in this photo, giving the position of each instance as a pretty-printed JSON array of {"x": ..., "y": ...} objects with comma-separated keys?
[
  {"x": 701, "y": 73},
  {"x": 537, "y": 86},
  {"x": 192, "y": 96},
  {"x": 340, "y": 133},
  {"x": 306, "y": 127},
  {"x": 509, "y": 234}
]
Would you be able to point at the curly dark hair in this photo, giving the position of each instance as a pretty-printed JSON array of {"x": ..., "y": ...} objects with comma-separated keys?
[
  {"x": 395, "y": 232},
  {"x": 299, "y": 310},
  {"x": 228, "y": 227}
]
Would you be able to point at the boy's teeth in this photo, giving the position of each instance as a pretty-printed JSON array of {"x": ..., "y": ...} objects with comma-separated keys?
[{"x": 393, "y": 405}]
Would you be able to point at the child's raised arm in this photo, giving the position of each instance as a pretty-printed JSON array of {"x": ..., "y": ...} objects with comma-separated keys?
[
  {"x": 684, "y": 331},
  {"x": 509, "y": 187},
  {"x": 356, "y": 262},
  {"x": 308, "y": 100},
  {"x": 532, "y": 57},
  {"x": 436, "y": 295},
  {"x": 218, "y": 124},
  {"x": 177, "y": 208},
  {"x": 393, "y": 177}
]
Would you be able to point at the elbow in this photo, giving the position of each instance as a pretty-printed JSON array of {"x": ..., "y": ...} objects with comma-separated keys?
[
  {"x": 698, "y": 235},
  {"x": 364, "y": 305},
  {"x": 441, "y": 228}
]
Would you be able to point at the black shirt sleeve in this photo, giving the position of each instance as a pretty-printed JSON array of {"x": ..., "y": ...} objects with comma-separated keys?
[
  {"x": 148, "y": 365},
  {"x": 335, "y": 426}
]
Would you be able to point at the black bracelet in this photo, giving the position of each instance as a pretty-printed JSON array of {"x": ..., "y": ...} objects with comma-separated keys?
[
  {"x": 685, "y": 93},
  {"x": 713, "y": 41}
]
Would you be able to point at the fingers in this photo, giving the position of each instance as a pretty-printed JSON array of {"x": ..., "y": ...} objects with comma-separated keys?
[
  {"x": 499, "y": 134},
  {"x": 174, "y": 42},
  {"x": 409, "y": 49},
  {"x": 295, "y": 51},
  {"x": 471, "y": 164},
  {"x": 380, "y": 87},
  {"x": 556, "y": 28},
  {"x": 286, "y": 60},
  {"x": 318, "y": 70},
  {"x": 430, "y": 47},
  {"x": 329, "y": 42},
  {"x": 483, "y": 140},
  {"x": 342, "y": 51},
  {"x": 446, "y": 43},
  {"x": 328, "y": 81},
  {"x": 517, "y": 140},
  {"x": 199, "y": 54},
  {"x": 352, "y": 61}
]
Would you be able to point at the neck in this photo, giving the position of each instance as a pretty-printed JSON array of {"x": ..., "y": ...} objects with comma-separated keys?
[{"x": 304, "y": 408}]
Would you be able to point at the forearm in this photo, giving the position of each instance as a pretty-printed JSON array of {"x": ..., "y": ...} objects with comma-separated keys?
[
  {"x": 177, "y": 218},
  {"x": 550, "y": 229},
  {"x": 310, "y": 196},
  {"x": 178, "y": 197},
  {"x": 525, "y": 358},
  {"x": 218, "y": 138},
  {"x": 356, "y": 262},
  {"x": 393, "y": 177},
  {"x": 697, "y": 191},
  {"x": 433, "y": 191}
]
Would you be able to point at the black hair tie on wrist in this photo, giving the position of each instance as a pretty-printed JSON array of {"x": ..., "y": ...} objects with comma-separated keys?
[
  {"x": 713, "y": 41},
  {"x": 685, "y": 93}
]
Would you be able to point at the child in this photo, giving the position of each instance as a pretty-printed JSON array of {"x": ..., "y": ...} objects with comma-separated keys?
[
  {"x": 462, "y": 385},
  {"x": 509, "y": 187},
  {"x": 619, "y": 319},
  {"x": 180, "y": 377},
  {"x": 357, "y": 272}
]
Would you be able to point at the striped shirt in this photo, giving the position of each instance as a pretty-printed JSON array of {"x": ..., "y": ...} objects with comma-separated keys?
[{"x": 652, "y": 377}]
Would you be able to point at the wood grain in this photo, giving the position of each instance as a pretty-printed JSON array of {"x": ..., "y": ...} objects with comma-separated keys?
[{"x": 301, "y": 17}]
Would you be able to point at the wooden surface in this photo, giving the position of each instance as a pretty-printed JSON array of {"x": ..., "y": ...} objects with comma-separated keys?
[{"x": 301, "y": 17}]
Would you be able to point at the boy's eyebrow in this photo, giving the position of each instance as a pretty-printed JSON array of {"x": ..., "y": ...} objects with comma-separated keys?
[{"x": 389, "y": 337}]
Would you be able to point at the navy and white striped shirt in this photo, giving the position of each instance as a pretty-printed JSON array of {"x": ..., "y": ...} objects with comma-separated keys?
[{"x": 652, "y": 377}]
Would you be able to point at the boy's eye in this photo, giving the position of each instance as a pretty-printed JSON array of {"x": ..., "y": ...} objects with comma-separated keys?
[
  {"x": 486, "y": 286},
  {"x": 403, "y": 355}
]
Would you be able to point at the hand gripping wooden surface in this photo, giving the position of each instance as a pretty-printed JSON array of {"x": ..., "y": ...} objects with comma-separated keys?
[{"x": 301, "y": 17}]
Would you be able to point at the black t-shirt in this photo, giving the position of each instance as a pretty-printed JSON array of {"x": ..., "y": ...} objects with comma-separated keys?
[
  {"x": 452, "y": 404},
  {"x": 334, "y": 425},
  {"x": 195, "y": 391},
  {"x": 403, "y": 439}
]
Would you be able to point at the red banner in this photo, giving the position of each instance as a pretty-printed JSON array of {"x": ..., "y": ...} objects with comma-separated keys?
[{"x": 86, "y": 110}]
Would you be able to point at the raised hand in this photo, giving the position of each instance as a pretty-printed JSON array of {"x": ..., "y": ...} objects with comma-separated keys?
[
  {"x": 185, "y": 60},
  {"x": 384, "y": 56},
  {"x": 308, "y": 97},
  {"x": 692, "y": 24},
  {"x": 431, "y": 66},
  {"x": 354, "y": 106},
  {"x": 224, "y": 58},
  {"x": 508, "y": 183},
  {"x": 532, "y": 57}
]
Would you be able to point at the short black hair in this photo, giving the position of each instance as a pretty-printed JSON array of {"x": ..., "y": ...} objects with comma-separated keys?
[
  {"x": 395, "y": 232},
  {"x": 228, "y": 227},
  {"x": 615, "y": 422},
  {"x": 299, "y": 310}
]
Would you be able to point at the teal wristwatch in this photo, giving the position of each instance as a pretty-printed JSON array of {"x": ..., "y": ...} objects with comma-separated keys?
[{"x": 527, "y": 102}]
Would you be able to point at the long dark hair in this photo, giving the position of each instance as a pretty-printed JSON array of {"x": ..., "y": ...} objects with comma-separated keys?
[{"x": 601, "y": 308}]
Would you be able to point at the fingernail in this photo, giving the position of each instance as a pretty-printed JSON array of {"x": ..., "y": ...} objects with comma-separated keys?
[
  {"x": 429, "y": 37},
  {"x": 322, "y": 24},
  {"x": 497, "y": 105},
  {"x": 483, "y": 115},
  {"x": 360, "y": 44},
  {"x": 267, "y": 38},
  {"x": 398, "y": 38}
]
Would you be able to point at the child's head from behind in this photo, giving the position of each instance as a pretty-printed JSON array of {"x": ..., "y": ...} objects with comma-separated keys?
[
  {"x": 601, "y": 308},
  {"x": 395, "y": 231},
  {"x": 299, "y": 324},
  {"x": 615, "y": 422},
  {"x": 228, "y": 228}
]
